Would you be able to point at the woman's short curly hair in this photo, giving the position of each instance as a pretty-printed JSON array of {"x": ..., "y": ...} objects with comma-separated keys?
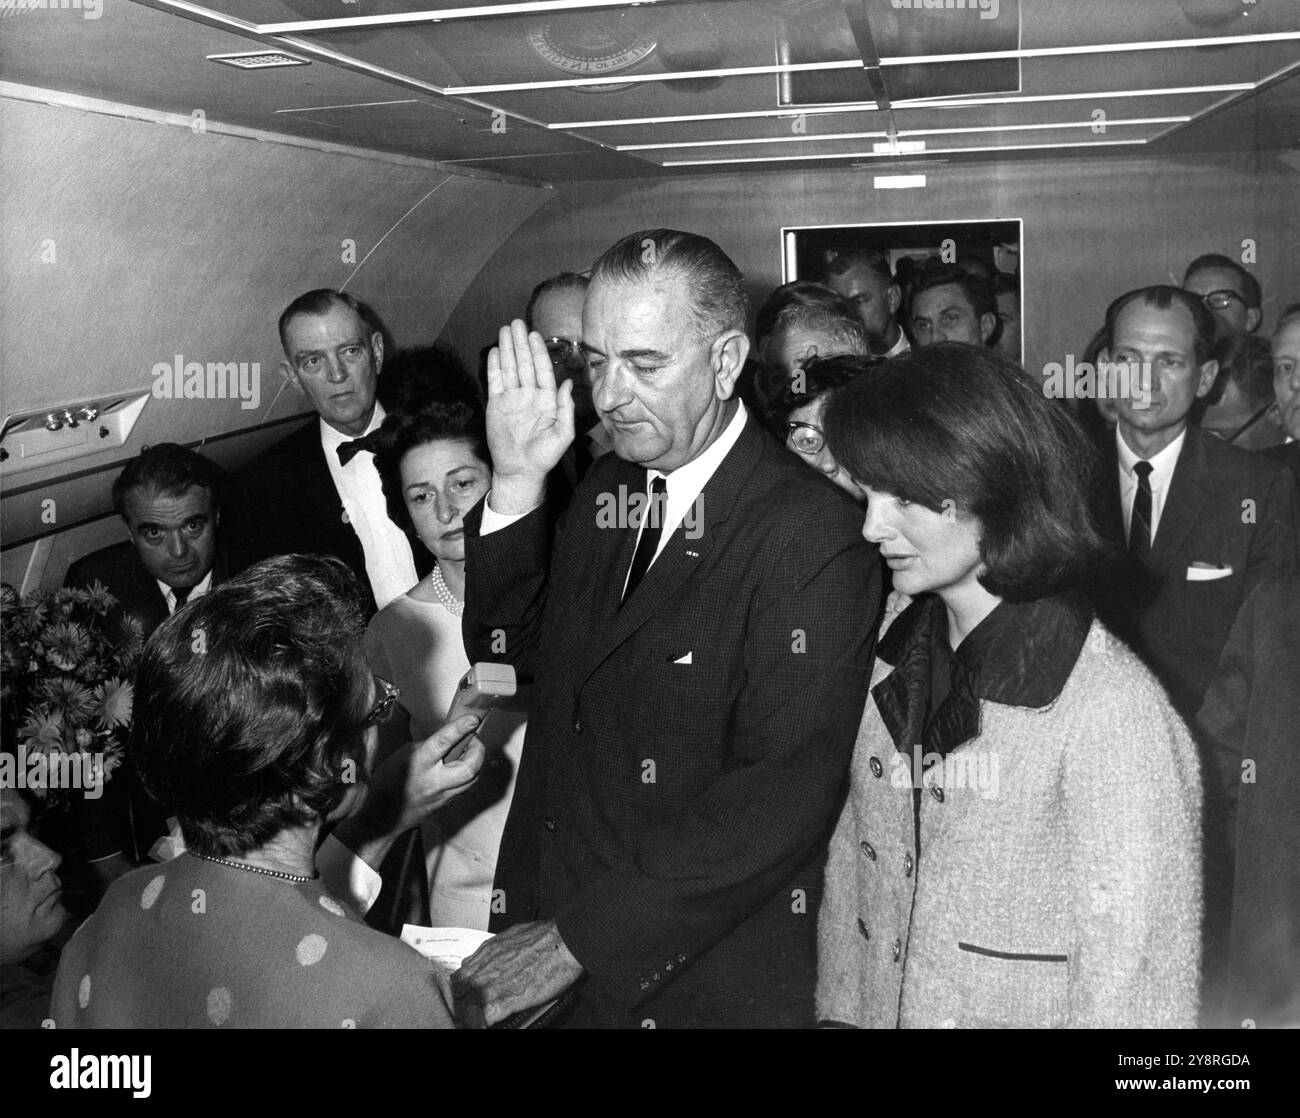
[
  {"x": 958, "y": 426},
  {"x": 453, "y": 417},
  {"x": 250, "y": 704}
]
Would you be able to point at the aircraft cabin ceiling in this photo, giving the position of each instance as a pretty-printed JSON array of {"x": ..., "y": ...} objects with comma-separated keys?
[{"x": 586, "y": 89}]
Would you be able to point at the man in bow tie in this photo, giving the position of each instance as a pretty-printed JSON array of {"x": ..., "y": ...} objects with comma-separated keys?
[{"x": 318, "y": 491}]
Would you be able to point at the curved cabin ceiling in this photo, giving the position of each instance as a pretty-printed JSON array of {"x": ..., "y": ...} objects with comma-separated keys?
[{"x": 586, "y": 89}]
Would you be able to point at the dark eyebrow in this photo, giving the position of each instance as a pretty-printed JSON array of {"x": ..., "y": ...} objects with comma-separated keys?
[
  {"x": 653, "y": 354},
  {"x": 299, "y": 354}
]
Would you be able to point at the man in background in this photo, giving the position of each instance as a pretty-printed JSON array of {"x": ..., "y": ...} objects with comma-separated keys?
[
  {"x": 317, "y": 492},
  {"x": 948, "y": 304},
  {"x": 170, "y": 500},
  {"x": 1230, "y": 292},
  {"x": 864, "y": 278}
]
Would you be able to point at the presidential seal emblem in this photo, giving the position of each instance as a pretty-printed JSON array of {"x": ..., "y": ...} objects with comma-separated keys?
[{"x": 591, "y": 51}]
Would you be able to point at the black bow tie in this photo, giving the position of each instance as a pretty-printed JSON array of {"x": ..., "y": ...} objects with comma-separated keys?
[{"x": 349, "y": 450}]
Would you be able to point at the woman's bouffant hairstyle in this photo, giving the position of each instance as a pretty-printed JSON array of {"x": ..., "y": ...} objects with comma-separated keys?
[
  {"x": 456, "y": 417},
  {"x": 250, "y": 704},
  {"x": 952, "y": 426}
]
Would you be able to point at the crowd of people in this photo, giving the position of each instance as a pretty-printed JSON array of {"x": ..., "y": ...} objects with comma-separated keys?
[{"x": 862, "y": 682}]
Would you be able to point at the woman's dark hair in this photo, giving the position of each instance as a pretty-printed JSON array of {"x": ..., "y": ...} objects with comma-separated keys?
[
  {"x": 250, "y": 704},
  {"x": 458, "y": 417},
  {"x": 821, "y": 376},
  {"x": 963, "y": 424}
]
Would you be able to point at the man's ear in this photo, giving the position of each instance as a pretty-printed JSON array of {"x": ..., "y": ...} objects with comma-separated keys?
[
  {"x": 290, "y": 375},
  {"x": 1209, "y": 373},
  {"x": 988, "y": 323},
  {"x": 377, "y": 348},
  {"x": 727, "y": 357},
  {"x": 894, "y": 298},
  {"x": 1253, "y": 316}
]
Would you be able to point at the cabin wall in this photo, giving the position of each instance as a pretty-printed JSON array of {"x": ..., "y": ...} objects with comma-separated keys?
[
  {"x": 1092, "y": 229},
  {"x": 127, "y": 242}
]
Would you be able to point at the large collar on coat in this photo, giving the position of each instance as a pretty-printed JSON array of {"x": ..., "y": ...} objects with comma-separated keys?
[{"x": 1020, "y": 655}]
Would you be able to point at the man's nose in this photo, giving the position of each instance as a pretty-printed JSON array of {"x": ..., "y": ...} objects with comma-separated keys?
[
  {"x": 609, "y": 388},
  {"x": 335, "y": 373},
  {"x": 177, "y": 545}
]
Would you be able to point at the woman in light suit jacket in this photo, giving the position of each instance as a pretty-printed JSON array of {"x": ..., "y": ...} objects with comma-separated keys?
[{"x": 1020, "y": 842}]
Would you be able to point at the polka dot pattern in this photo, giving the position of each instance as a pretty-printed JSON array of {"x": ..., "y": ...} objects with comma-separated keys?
[
  {"x": 310, "y": 949},
  {"x": 220, "y": 1004},
  {"x": 329, "y": 904},
  {"x": 151, "y": 891},
  {"x": 83, "y": 991}
]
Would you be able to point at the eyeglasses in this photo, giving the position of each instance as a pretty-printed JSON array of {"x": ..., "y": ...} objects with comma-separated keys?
[
  {"x": 565, "y": 351},
  {"x": 384, "y": 705},
  {"x": 1221, "y": 300},
  {"x": 805, "y": 437}
]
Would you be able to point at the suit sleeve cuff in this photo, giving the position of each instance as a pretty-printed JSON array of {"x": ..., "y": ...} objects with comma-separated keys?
[
  {"x": 493, "y": 520},
  {"x": 346, "y": 876}
]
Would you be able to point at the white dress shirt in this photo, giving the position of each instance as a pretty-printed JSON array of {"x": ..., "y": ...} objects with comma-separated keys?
[
  {"x": 1162, "y": 473},
  {"x": 899, "y": 347},
  {"x": 196, "y": 591},
  {"x": 685, "y": 484},
  {"x": 390, "y": 566}
]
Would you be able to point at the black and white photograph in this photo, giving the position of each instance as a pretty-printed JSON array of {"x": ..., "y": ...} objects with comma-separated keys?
[{"x": 660, "y": 515}]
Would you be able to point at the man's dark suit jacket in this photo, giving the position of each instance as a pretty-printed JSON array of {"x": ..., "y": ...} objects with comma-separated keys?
[
  {"x": 284, "y": 502},
  {"x": 1226, "y": 508},
  {"x": 1251, "y": 714},
  {"x": 685, "y": 755},
  {"x": 119, "y": 568},
  {"x": 1286, "y": 455}
]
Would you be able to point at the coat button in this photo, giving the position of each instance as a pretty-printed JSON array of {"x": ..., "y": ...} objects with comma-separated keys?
[
  {"x": 868, "y": 849},
  {"x": 862, "y": 928},
  {"x": 907, "y": 865},
  {"x": 577, "y": 726},
  {"x": 936, "y": 792},
  {"x": 876, "y": 767},
  {"x": 549, "y": 823},
  {"x": 898, "y": 949}
]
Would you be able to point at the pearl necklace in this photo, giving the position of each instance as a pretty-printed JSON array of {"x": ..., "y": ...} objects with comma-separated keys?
[
  {"x": 443, "y": 591},
  {"x": 252, "y": 869}
]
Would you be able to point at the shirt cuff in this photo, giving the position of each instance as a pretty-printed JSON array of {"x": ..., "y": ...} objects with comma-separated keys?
[
  {"x": 493, "y": 520},
  {"x": 346, "y": 876}
]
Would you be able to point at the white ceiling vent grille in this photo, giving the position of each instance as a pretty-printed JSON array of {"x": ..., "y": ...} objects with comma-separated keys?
[{"x": 259, "y": 60}]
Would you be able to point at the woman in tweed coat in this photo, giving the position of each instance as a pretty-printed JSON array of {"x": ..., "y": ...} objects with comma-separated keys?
[{"x": 1020, "y": 843}]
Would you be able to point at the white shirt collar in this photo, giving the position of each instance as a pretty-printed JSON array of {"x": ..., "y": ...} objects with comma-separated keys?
[
  {"x": 331, "y": 440},
  {"x": 196, "y": 591},
  {"x": 1162, "y": 464},
  {"x": 686, "y": 482}
]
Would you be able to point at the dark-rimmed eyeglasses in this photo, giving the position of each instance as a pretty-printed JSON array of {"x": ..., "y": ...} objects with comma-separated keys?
[
  {"x": 806, "y": 438},
  {"x": 383, "y": 707},
  {"x": 565, "y": 351},
  {"x": 1222, "y": 299}
]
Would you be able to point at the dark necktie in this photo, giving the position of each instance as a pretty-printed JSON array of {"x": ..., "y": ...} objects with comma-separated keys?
[
  {"x": 1139, "y": 532},
  {"x": 651, "y": 532},
  {"x": 181, "y": 594},
  {"x": 349, "y": 450}
]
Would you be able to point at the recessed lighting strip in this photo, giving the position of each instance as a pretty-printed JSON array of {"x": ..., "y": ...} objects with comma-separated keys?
[
  {"x": 894, "y": 156},
  {"x": 915, "y": 60},
  {"x": 446, "y": 15},
  {"x": 928, "y": 103},
  {"x": 1109, "y": 123}
]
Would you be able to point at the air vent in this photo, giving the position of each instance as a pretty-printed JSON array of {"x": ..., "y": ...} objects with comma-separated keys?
[{"x": 259, "y": 60}]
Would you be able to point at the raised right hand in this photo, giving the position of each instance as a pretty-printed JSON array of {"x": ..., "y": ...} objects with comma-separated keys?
[{"x": 529, "y": 419}]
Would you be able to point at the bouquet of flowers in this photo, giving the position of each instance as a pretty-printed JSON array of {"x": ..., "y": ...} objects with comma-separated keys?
[{"x": 65, "y": 691}]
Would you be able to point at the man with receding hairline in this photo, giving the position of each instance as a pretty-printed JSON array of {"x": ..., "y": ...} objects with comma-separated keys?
[{"x": 701, "y": 667}]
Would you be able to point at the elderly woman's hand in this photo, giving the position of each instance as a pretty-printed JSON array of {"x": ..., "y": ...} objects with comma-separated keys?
[{"x": 413, "y": 781}]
